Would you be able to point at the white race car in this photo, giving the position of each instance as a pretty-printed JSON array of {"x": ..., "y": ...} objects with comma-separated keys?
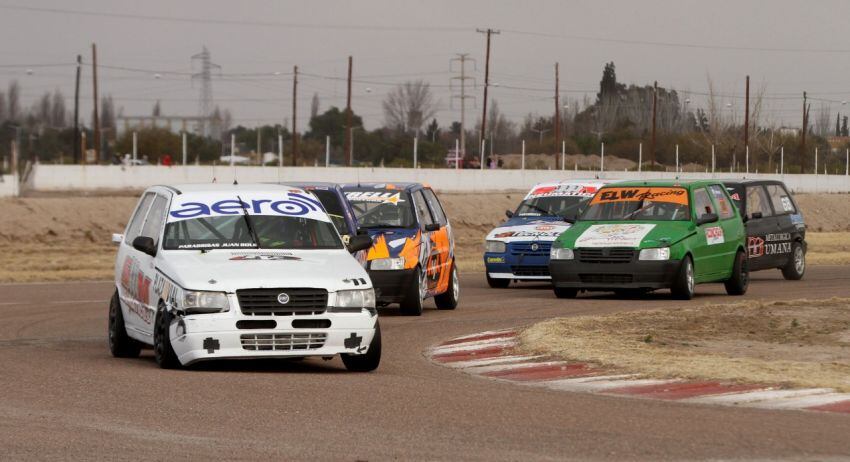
[
  {"x": 240, "y": 271},
  {"x": 518, "y": 249}
]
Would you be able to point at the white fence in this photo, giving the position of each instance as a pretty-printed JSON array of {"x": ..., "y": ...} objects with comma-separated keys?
[
  {"x": 106, "y": 177},
  {"x": 8, "y": 186}
]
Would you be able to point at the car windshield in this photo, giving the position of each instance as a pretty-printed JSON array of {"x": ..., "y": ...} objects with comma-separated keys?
[
  {"x": 639, "y": 203},
  {"x": 381, "y": 208},
  {"x": 232, "y": 232},
  {"x": 552, "y": 206}
]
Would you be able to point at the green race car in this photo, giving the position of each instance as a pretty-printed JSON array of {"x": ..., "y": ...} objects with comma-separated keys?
[{"x": 645, "y": 235}]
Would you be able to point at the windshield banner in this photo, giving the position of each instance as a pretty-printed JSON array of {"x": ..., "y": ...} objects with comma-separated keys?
[
  {"x": 543, "y": 231},
  {"x": 291, "y": 204},
  {"x": 614, "y": 235},
  {"x": 672, "y": 195},
  {"x": 569, "y": 189}
]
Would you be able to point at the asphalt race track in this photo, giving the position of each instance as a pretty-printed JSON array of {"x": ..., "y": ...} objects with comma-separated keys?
[{"x": 64, "y": 396}]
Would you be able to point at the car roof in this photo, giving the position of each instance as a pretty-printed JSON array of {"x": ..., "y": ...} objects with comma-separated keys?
[
  {"x": 312, "y": 184},
  {"x": 580, "y": 182},
  {"x": 750, "y": 181},
  {"x": 665, "y": 183},
  {"x": 405, "y": 186},
  {"x": 226, "y": 187}
]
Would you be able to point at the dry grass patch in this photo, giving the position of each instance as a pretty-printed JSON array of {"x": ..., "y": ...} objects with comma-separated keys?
[
  {"x": 800, "y": 343},
  {"x": 38, "y": 262},
  {"x": 828, "y": 248}
]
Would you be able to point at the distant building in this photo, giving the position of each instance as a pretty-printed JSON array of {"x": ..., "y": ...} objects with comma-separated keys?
[{"x": 789, "y": 131}]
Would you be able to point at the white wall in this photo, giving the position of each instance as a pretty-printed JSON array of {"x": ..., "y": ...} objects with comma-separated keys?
[
  {"x": 8, "y": 186},
  {"x": 95, "y": 177}
]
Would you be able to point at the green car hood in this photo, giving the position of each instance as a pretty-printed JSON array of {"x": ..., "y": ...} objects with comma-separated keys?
[{"x": 634, "y": 234}]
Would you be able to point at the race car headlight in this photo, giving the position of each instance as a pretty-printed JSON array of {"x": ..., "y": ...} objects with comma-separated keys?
[
  {"x": 386, "y": 264},
  {"x": 495, "y": 247},
  {"x": 352, "y": 301},
  {"x": 659, "y": 253},
  {"x": 204, "y": 302},
  {"x": 560, "y": 253}
]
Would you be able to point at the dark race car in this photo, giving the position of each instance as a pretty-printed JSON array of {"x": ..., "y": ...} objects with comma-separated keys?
[{"x": 776, "y": 232}]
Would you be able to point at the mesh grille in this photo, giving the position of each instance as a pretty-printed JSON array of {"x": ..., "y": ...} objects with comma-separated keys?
[
  {"x": 606, "y": 278},
  {"x": 605, "y": 255},
  {"x": 528, "y": 270},
  {"x": 527, "y": 249},
  {"x": 283, "y": 342}
]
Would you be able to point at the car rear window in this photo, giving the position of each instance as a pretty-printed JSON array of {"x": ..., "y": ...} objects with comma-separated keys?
[{"x": 781, "y": 200}]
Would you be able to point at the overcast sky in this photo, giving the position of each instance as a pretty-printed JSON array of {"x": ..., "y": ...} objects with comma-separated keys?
[{"x": 787, "y": 46}]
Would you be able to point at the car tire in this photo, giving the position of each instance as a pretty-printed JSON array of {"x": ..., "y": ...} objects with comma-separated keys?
[
  {"x": 162, "y": 349},
  {"x": 448, "y": 299},
  {"x": 796, "y": 266},
  {"x": 563, "y": 292},
  {"x": 366, "y": 362},
  {"x": 683, "y": 285},
  {"x": 411, "y": 304},
  {"x": 120, "y": 344},
  {"x": 740, "y": 280},
  {"x": 498, "y": 283}
]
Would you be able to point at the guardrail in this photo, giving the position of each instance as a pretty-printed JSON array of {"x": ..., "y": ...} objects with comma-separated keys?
[{"x": 110, "y": 177}]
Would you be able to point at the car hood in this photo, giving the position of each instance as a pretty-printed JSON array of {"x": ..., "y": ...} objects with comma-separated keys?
[
  {"x": 529, "y": 229},
  {"x": 634, "y": 234},
  {"x": 230, "y": 270}
]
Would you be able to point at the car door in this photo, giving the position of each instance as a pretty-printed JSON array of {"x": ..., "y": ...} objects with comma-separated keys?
[
  {"x": 441, "y": 239},
  {"x": 761, "y": 221},
  {"x": 778, "y": 243},
  {"x": 431, "y": 250},
  {"x": 128, "y": 262},
  {"x": 730, "y": 225},
  {"x": 708, "y": 261},
  {"x": 139, "y": 271}
]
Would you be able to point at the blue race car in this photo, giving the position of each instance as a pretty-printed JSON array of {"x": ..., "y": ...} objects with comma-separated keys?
[{"x": 519, "y": 248}]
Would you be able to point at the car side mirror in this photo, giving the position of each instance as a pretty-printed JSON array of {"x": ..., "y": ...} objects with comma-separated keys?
[
  {"x": 358, "y": 243},
  {"x": 362, "y": 232},
  {"x": 707, "y": 218},
  {"x": 509, "y": 214},
  {"x": 145, "y": 245},
  {"x": 432, "y": 227},
  {"x": 117, "y": 239}
]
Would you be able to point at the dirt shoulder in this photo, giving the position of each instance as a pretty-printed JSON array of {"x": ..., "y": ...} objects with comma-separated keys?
[
  {"x": 68, "y": 237},
  {"x": 796, "y": 343}
]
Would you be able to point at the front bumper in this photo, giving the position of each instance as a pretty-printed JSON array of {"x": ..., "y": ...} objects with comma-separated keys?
[
  {"x": 391, "y": 286},
  {"x": 520, "y": 263},
  {"x": 216, "y": 336},
  {"x": 573, "y": 274}
]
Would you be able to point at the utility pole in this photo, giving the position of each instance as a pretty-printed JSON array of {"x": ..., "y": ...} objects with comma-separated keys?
[
  {"x": 489, "y": 32},
  {"x": 747, "y": 118},
  {"x": 77, "y": 112},
  {"x": 295, "y": 116},
  {"x": 803, "y": 134},
  {"x": 96, "y": 118},
  {"x": 557, "y": 113},
  {"x": 654, "y": 117},
  {"x": 347, "y": 148},
  {"x": 462, "y": 58}
]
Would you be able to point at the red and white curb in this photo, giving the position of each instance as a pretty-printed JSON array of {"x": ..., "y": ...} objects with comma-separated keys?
[{"x": 491, "y": 354}]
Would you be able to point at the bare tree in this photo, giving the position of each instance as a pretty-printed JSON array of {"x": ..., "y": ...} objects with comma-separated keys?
[
  {"x": 2, "y": 107},
  {"x": 823, "y": 120},
  {"x": 43, "y": 110},
  {"x": 409, "y": 105},
  {"x": 314, "y": 106},
  {"x": 14, "y": 104},
  {"x": 58, "y": 114}
]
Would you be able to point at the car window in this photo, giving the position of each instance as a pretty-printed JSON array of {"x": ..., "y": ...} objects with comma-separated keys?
[
  {"x": 138, "y": 219},
  {"x": 702, "y": 203},
  {"x": 422, "y": 209},
  {"x": 153, "y": 223},
  {"x": 333, "y": 205},
  {"x": 435, "y": 206},
  {"x": 757, "y": 201},
  {"x": 723, "y": 206},
  {"x": 780, "y": 199}
]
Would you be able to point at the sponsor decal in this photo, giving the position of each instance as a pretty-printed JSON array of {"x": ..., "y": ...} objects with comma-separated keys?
[
  {"x": 797, "y": 219},
  {"x": 355, "y": 281},
  {"x": 286, "y": 204},
  {"x": 761, "y": 246},
  {"x": 374, "y": 196},
  {"x": 561, "y": 190},
  {"x": 168, "y": 291},
  {"x": 614, "y": 235},
  {"x": 544, "y": 227},
  {"x": 735, "y": 196},
  {"x": 714, "y": 235},
  {"x": 527, "y": 234},
  {"x": 137, "y": 285},
  {"x": 264, "y": 257},
  {"x": 495, "y": 259},
  {"x": 657, "y": 194},
  {"x": 786, "y": 203}
]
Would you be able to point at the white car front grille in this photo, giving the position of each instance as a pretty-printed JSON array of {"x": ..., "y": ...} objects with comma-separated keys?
[{"x": 284, "y": 342}]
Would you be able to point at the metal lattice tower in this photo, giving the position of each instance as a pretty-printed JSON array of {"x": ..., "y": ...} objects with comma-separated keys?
[{"x": 205, "y": 100}]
